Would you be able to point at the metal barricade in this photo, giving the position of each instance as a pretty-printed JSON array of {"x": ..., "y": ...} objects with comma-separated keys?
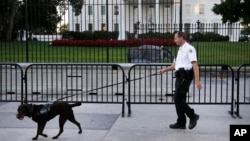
[
  {"x": 11, "y": 83},
  {"x": 145, "y": 88},
  {"x": 89, "y": 83},
  {"x": 243, "y": 89}
]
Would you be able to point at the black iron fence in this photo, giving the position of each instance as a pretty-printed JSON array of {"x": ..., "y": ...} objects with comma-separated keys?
[{"x": 104, "y": 31}]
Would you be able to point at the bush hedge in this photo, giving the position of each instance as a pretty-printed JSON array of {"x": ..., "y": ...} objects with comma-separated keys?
[
  {"x": 114, "y": 43},
  {"x": 208, "y": 36},
  {"x": 109, "y": 39},
  {"x": 104, "y": 35},
  {"x": 89, "y": 35}
]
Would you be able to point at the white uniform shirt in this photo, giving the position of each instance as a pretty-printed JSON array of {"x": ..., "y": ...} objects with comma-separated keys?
[{"x": 186, "y": 54}]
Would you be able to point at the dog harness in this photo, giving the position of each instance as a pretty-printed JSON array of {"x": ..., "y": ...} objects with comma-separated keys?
[{"x": 44, "y": 110}]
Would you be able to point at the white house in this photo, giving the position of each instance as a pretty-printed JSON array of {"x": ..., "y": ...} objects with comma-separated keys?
[{"x": 141, "y": 16}]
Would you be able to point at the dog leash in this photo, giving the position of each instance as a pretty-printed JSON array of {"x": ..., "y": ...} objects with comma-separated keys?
[
  {"x": 127, "y": 80},
  {"x": 143, "y": 77}
]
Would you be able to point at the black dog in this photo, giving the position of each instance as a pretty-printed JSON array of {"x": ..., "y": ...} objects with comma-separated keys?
[{"x": 43, "y": 113}]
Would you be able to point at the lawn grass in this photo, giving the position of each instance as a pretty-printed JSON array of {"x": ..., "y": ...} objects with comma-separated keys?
[{"x": 231, "y": 53}]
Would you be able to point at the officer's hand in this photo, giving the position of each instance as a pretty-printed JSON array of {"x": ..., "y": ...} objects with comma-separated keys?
[
  {"x": 198, "y": 84},
  {"x": 162, "y": 71}
]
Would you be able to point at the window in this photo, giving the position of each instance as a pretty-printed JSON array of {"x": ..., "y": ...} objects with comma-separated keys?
[
  {"x": 90, "y": 10},
  {"x": 116, "y": 10},
  {"x": 103, "y": 25},
  {"x": 151, "y": 6},
  {"x": 216, "y": 27},
  {"x": 201, "y": 9},
  {"x": 77, "y": 27},
  {"x": 187, "y": 27},
  {"x": 135, "y": 12},
  {"x": 167, "y": 27},
  {"x": 151, "y": 14},
  {"x": 135, "y": 27},
  {"x": 230, "y": 29},
  {"x": 103, "y": 10},
  {"x": 187, "y": 9},
  {"x": 116, "y": 26},
  {"x": 90, "y": 27},
  {"x": 202, "y": 28}
]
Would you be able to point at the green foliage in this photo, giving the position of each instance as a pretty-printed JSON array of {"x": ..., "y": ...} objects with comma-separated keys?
[
  {"x": 233, "y": 11},
  {"x": 88, "y": 35},
  {"x": 151, "y": 35},
  {"x": 157, "y": 35},
  {"x": 208, "y": 36},
  {"x": 64, "y": 28},
  {"x": 77, "y": 6},
  {"x": 43, "y": 15},
  {"x": 246, "y": 30}
]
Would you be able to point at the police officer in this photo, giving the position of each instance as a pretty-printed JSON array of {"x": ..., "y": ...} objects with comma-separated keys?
[{"x": 186, "y": 66}]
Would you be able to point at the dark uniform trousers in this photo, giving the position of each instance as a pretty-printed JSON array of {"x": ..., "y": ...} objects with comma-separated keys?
[{"x": 182, "y": 83}]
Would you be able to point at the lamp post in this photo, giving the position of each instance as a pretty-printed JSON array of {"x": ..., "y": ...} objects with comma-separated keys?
[
  {"x": 198, "y": 25},
  {"x": 27, "y": 29},
  {"x": 107, "y": 28},
  {"x": 107, "y": 16},
  {"x": 180, "y": 26},
  {"x": 137, "y": 29},
  {"x": 198, "y": 32}
]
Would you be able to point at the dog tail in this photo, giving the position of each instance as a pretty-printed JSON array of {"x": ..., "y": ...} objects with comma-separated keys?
[{"x": 76, "y": 104}]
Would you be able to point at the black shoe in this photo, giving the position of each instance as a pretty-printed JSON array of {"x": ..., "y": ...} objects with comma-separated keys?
[
  {"x": 177, "y": 126},
  {"x": 193, "y": 121}
]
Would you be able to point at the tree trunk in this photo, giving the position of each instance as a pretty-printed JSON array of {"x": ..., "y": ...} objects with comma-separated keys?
[{"x": 10, "y": 22}]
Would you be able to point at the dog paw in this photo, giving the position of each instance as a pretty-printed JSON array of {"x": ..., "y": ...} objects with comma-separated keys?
[
  {"x": 35, "y": 138},
  {"x": 55, "y": 137},
  {"x": 44, "y": 135},
  {"x": 80, "y": 132}
]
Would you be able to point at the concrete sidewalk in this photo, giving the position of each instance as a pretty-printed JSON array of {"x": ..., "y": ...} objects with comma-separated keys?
[{"x": 103, "y": 122}]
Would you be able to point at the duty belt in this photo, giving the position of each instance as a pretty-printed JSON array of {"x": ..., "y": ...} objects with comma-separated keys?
[{"x": 184, "y": 73}]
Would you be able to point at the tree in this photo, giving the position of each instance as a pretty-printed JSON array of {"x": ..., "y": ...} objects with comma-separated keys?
[
  {"x": 77, "y": 6},
  {"x": 8, "y": 10},
  {"x": 43, "y": 15},
  {"x": 63, "y": 28},
  {"x": 233, "y": 11}
]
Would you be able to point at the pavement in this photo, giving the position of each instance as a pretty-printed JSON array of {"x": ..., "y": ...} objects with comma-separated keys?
[{"x": 103, "y": 122}]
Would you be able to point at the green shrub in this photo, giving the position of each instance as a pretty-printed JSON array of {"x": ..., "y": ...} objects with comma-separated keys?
[
  {"x": 208, "y": 36},
  {"x": 88, "y": 35},
  {"x": 156, "y": 35}
]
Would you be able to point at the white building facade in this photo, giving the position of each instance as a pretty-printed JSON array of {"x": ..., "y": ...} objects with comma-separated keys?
[{"x": 142, "y": 16}]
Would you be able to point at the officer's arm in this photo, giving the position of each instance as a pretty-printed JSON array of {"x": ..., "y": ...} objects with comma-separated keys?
[
  {"x": 196, "y": 74},
  {"x": 169, "y": 68}
]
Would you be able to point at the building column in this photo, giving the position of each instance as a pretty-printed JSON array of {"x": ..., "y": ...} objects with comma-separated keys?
[
  {"x": 122, "y": 33},
  {"x": 140, "y": 18},
  {"x": 70, "y": 19},
  {"x": 157, "y": 16},
  {"x": 83, "y": 17}
]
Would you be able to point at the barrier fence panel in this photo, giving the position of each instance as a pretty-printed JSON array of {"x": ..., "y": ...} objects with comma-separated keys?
[
  {"x": 11, "y": 83},
  {"x": 243, "y": 89},
  {"x": 89, "y": 83},
  {"x": 147, "y": 88}
]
